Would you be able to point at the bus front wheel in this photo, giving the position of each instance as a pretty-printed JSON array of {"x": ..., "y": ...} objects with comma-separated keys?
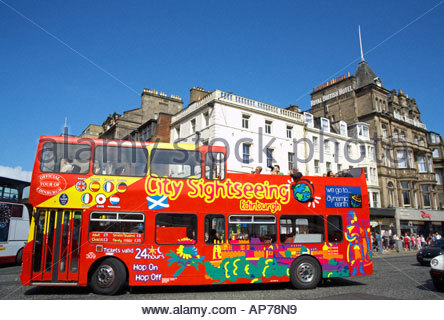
[
  {"x": 305, "y": 273},
  {"x": 109, "y": 277}
]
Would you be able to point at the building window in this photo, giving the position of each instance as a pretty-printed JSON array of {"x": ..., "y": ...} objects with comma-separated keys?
[
  {"x": 401, "y": 158},
  {"x": 396, "y": 135},
  {"x": 421, "y": 142},
  {"x": 268, "y": 126},
  {"x": 269, "y": 157},
  {"x": 426, "y": 199},
  {"x": 362, "y": 151},
  {"x": 316, "y": 164},
  {"x": 328, "y": 166},
  {"x": 325, "y": 125},
  {"x": 363, "y": 131},
  {"x": 410, "y": 158},
  {"x": 421, "y": 164},
  {"x": 342, "y": 128},
  {"x": 327, "y": 146},
  {"x": 290, "y": 161},
  {"x": 246, "y": 153},
  {"x": 373, "y": 174},
  {"x": 289, "y": 132},
  {"x": 438, "y": 178},
  {"x": 339, "y": 167},
  {"x": 384, "y": 131},
  {"x": 337, "y": 149},
  {"x": 245, "y": 121},
  {"x": 405, "y": 189},
  {"x": 371, "y": 152},
  {"x": 415, "y": 140},
  {"x": 308, "y": 119},
  {"x": 375, "y": 200},
  {"x": 349, "y": 150},
  {"x": 315, "y": 143},
  {"x": 430, "y": 164},
  {"x": 193, "y": 125},
  {"x": 387, "y": 158},
  {"x": 206, "y": 118},
  {"x": 436, "y": 153},
  {"x": 391, "y": 194},
  {"x": 402, "y": 137}
]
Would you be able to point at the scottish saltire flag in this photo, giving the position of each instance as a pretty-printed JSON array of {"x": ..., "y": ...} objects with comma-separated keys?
[{"x": 157, "y": 202}]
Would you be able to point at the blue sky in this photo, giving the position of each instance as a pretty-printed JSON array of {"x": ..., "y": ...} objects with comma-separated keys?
[{"x": 86, "y": 59}]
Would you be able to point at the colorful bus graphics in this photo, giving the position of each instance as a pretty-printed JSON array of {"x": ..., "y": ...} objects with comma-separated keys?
[{"x": 171, "y": 215}]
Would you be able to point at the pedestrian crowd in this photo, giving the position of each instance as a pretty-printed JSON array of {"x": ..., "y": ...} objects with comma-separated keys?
[{"x": 409, "y": 241}]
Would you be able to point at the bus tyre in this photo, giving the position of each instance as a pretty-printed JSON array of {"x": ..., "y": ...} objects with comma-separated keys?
[
  {"x": 18, "y": 258},
  {"x": 305, "y": 273},
  {"x": 109, "y": 277}
]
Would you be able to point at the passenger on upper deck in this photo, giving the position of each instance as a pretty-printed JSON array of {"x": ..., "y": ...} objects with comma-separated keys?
[
  {"x": 258, "y": 170},
  {"x": 66, "y": 165}
]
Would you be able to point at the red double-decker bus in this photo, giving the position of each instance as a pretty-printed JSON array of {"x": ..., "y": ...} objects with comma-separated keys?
[{"x": 111, "y": 212}]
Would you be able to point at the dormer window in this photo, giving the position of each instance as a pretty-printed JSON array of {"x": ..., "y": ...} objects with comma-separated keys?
[
  {"x": 308, "y": 119},
  {"x": 342, "y": 128},
  {"x": 363, "y": 131},
  {"x": 325, "y": 125}
]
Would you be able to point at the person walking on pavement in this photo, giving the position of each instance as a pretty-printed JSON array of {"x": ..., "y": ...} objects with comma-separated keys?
[{"x": 379, "y": 241}]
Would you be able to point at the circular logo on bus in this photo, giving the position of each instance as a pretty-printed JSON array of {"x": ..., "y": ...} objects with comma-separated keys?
[
  {"x": 303, "y": 191},
  {"x": 94, "y": 186},
  {"x": 108, "y": 187},
  {"x": 63, "y": 199},
  {"x": 86, "y": 198},
  {"x": 100, "y": 198},
  {"x": 121, "y": 187},
  {"x": 114, "y": 199},
  {"x": 81, "y": 186},
  {"x": 50, "y": 184}
]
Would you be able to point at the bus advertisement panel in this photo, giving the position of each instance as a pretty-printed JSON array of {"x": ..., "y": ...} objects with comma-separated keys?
[{"x": 160, "y": 215}]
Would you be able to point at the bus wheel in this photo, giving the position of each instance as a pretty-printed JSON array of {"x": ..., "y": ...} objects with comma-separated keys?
[
  {"x": 18, "y": 258},
  {"x": 305, "y": 273},
  {"x": 109, "y": 277}
]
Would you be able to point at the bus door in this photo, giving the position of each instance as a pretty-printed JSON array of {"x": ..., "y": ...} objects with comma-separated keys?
[{"x": 56, "y": 245}]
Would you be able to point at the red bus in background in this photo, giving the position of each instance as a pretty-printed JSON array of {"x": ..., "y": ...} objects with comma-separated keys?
[{"x": 111, "y": 212}]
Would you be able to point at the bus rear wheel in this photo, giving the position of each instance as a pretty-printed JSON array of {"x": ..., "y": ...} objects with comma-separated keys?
[
  {"x": 109, "y": 277},
  {"x": 305, "y": 273}
]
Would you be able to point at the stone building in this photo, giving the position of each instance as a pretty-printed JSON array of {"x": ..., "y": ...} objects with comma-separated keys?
[
  {"x": 157, "y": 129},
  {"x": 154, "y": 103},
  {"x": 407, "y": 176},
  {"x": 92, "y": 131}
]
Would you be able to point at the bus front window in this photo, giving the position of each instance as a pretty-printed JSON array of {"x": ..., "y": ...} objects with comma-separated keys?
[{"x": 65, "y": 158}]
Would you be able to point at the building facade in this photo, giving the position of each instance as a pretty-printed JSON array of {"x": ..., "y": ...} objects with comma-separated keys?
[
  {"x": 404, "y": 152},
  {"x": 259, "y": 134},
  {"x": 156, "y": 108}
]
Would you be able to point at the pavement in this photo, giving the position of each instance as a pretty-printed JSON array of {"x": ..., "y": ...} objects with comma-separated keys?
[{"x": 393, "y": 252}]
